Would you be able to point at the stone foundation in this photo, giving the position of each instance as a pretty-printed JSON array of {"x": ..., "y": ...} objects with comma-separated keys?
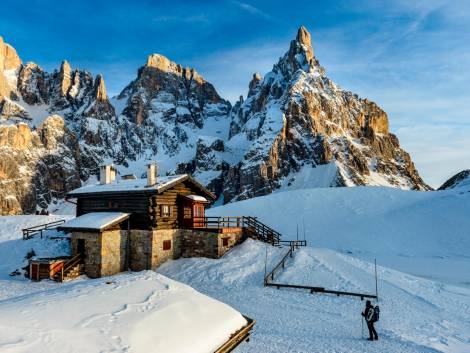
[
  {"x": 146, "y": 247},
  {"x": 203, "y": 243},
  {"x": 112, "y": 251}
]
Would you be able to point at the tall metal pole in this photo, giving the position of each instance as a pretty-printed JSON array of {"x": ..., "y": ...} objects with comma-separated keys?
[
  {"x": 303, "y": 223},
  {"x": 297, "y": 231},
  {"x": 376, "y": 290},
  {"x": 265, "y": 262}
]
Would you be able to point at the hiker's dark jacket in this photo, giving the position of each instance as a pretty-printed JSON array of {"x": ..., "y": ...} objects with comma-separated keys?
[{"x": 366, "y": 310}]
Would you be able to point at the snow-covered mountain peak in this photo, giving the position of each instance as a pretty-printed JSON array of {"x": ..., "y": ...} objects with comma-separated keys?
[
  {"x": 295, "y": 128},
  {"x": 297, "y": 118}
]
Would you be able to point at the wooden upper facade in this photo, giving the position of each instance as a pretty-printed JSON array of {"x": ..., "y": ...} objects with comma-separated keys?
[{"x": 174, "y": 202}]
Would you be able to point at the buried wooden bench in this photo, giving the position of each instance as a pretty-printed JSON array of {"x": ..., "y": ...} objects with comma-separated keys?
[{"x": 238, "y": 337}]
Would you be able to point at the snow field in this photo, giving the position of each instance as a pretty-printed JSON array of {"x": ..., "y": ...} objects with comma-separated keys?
[
  {"x": 421, "y": 233},
  {"x": 417, "y": 315}
]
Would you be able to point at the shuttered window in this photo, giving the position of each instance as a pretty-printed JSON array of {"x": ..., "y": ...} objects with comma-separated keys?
[
  {"x": 165, "y": 211},
  {"x": 167, "y": 245}
]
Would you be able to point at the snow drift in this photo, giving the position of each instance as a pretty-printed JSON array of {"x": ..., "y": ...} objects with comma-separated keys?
[{"x": 423, "y": 233}]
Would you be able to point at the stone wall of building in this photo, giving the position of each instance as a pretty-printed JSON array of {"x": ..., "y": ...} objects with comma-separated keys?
[
  {"x": 140, "y": 249},
  {"x": 231, "y": 239},
  {"x": 113, "y": 252},
  {"x": 92, "y": 260},
  {"x": 146, "y": 247},
  {"x": 159, "y": 255},
  {"x": 202, "y": 243}
]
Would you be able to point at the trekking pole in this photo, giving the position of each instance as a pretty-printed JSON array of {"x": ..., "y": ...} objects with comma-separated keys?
[{"x": 362, "y": 330}]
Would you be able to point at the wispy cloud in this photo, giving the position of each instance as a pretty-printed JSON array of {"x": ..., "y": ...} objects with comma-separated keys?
[
  {"x": 252, "y": 10},
  {"x": 199, "y": 18}
]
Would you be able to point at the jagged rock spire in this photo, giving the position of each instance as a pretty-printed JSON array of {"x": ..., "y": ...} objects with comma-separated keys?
[
  {"x": 65, "y": 79},
  {"x": 254, "y": 83},
  {"x": 2, "y": 79},
  {"x": 304, "y": 37},
  {"x": 305, "y": 40},
  {"x": 162, "y": 63},
  {"x": 9, "y": 59},
  {"x": 100, "y": 89}
]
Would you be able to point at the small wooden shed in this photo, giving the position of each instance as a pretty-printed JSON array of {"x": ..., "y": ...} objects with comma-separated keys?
[{"x": 45, "y": 268}]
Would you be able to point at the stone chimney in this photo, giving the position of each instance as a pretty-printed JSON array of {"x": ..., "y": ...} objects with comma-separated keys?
[
  {"x": 151, "y": 174},
  {"x": 107, "y": 174}
]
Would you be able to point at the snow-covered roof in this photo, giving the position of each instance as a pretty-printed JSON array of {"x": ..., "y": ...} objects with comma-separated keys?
[
  {"x": 196, "y": 198},
  {"x": 95, "y": 220},
  {"x": 161, "y": 315},
  {"x": 130, "y": 185}
]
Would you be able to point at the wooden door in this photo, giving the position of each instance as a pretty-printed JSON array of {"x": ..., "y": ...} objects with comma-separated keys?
[
  {"x": 186, "y": 215},
  {"x": 198, "y": 215}
]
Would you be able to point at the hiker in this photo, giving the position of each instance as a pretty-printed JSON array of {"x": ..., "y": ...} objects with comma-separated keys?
[{"x": 371, "y": 315}]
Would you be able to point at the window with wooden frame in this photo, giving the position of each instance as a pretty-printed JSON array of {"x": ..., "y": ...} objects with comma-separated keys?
[
  {"x": 165, "y": 211},
  {"x": 187, "y": 212},
  {"x": 198, "y": 210},
  {"x": 112, "y": 204},
  {"x": 167, "y": 245},
  {"x": 224, "y": 241}
]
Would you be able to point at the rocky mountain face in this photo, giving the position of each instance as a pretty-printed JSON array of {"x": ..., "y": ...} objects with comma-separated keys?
[
  {"x": 295, "y": 128},
  {"x": 296, "y": 118},
  {"x": 460, "y": 179}
]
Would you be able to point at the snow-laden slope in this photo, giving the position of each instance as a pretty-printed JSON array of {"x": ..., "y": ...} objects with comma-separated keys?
[
  {"x": 423, "y": 233},
  {"x": 417, "y": 315},
  {"x": 13, "y": 248}
]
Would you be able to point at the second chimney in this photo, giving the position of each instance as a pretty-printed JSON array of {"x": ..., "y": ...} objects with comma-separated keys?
[
  {"x": 107, "y": 174},
  {"x": 151, "y": 174}
]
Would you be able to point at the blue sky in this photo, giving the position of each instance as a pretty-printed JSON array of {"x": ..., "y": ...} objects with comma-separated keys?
[{"x": 411, "y": 57}]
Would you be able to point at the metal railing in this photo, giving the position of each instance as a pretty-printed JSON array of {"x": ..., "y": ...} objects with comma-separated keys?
[
  {"x": 218, "y": 222},
  {"x": 30, "y": 232},
  {"x": 294, "y": 244},
  {"x": 260, "y": 230}
]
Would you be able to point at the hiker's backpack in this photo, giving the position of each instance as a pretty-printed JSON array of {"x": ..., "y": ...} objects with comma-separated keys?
[
  {"x": 376, "y": 314},
  {"x": 373, "y": 314}
]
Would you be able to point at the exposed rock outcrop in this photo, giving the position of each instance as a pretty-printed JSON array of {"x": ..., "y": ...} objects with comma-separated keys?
[
  {"x": 297, "y": 117},
  {"x": 461, "y": 179},
  {"x": 9, "y": 61},
  {"x": 36, "y": 167},
  {"x": 56, "y": 128}
]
